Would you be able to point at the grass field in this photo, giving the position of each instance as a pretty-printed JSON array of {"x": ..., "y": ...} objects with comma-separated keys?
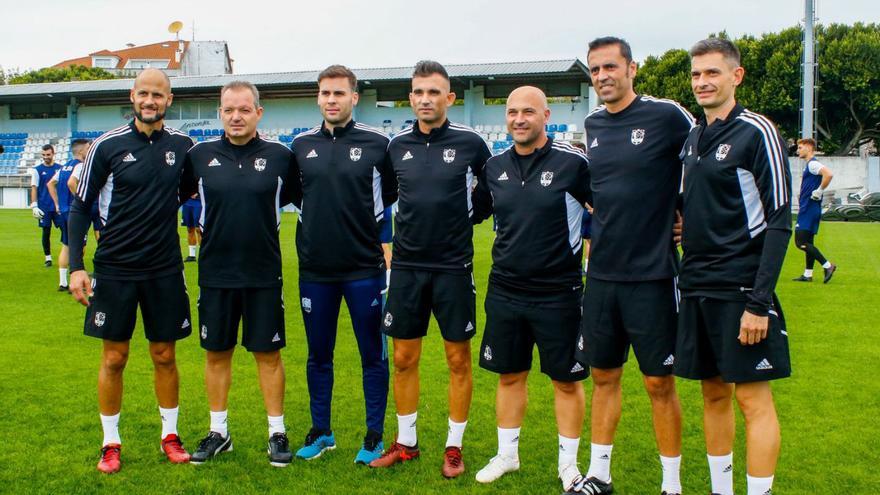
[{"x": 51, "y": 434}]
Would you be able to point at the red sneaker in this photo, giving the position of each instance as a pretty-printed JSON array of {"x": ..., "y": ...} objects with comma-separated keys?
[
  {"x": 110, "y": 458},
  {"x": 173, "y": 448},
  {"x": 397, "y": 453},
  {"x": 452, "y": 463}
]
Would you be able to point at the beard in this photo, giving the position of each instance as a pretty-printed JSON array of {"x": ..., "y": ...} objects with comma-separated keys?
[{"x": 151, "y": 120}]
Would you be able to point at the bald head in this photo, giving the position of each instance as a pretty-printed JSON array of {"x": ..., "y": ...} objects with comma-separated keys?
[
  {"x": 151, "y": 96},
  {"x": 527, "y": 114}
]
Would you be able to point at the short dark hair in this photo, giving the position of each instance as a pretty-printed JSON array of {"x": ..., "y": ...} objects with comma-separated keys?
[
  {"x": 47, "y": 147},
  {"x": 335, "y": 71},
  {"x": 808, "y": 141},
  {"x": 625, "y": 49},
  {"x": 79, "y": 142},
  {"x": 241, "y": 85},
  {"x": 716, "y": 45},
  {"x": 427, "y": 68}
]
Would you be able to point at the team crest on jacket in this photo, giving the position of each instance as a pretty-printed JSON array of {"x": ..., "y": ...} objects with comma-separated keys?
[
  {"x": 354, "y": 154},
  {"x": 169, "y": 158},
  {"x": 637, "y": 136},
  {"x": 260, "y": 164},
  {"x": 448, "y": 155},
  {"x": 721, "y": 153},
  {"x": 546, "y": 178}
]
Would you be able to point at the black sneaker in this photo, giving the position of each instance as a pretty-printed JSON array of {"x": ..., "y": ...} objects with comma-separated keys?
[
  {"x": 210, "y": 446},
  {"x": 664, "y": 492},
  {"x": 47, "y": 263},
  {"x": 829, "y": 272},
  {"x": 591, "y": 486},
  {"x": 189, "y": 259},
  {"x": 63, "y": 288},
  {"x": 279, "y": 450},
  {"x": 802, "y": 278}
]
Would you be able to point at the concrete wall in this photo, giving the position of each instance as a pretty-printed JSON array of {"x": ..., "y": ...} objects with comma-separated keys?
[{"x": 851, "y": 174}]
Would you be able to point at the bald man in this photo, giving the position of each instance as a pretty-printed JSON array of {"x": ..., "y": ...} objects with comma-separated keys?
[
  {"x": 536, "y": 190},
  {"x": 133, "y": 172}
]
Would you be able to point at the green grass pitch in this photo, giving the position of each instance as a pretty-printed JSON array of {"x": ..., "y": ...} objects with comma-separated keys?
[{"x": 51, "y": 433}]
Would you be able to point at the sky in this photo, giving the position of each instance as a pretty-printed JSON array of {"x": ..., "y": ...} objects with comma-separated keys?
[{"x": 276, "y": 36}]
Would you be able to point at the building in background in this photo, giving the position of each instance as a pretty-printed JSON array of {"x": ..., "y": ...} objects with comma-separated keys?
[{"x": 175, "y": 57}]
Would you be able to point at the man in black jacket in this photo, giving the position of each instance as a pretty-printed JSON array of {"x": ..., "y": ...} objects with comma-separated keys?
[
  {"x": 536, "y": 190},
  {"x": 737, "y": 223},
  {"x": 243, "y": 181},
  {"x": 435, "y": 162}
]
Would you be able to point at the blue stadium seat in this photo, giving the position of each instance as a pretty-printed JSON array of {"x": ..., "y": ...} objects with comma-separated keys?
[{"x": 562, "y": 128}]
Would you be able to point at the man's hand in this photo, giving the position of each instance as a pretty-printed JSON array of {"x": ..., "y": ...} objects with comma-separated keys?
[
  {"x": 752, "y": 328},
  {"x": 816, "y": 195},
  {"x": 677, "y": 228},
  {"x": 38, "y": 213},
  {"x": 81, "y": 286}
]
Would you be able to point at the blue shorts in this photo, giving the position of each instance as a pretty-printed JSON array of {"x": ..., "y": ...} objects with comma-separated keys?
[
  {"x": 49, "y": 218},
  {"x": 808, "y": 218},
  {"x": 586, "y": 223},
  {"x": 190, "y": 215},
  {"x": 63, "y": 219},
  {"x": 386, "y": 233}
]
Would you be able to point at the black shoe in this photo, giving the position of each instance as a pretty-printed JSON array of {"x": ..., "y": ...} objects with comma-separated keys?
[
  {"x": 189, "y": 259},
  {"x": 664, "y": 492},
  {"x": 63, "y": 288},
  {"x": 802, "y": 278},
  {"x": 829, "y": 272},
  {"x": 591, "y": 486},
  {"x": 210, "y": 446},
  {"x": 279, "y": 450},
  {"x": 47, "y": 263}
]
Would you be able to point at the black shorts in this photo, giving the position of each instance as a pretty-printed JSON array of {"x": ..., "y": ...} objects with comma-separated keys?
[
  {"x": 516, "y": 322},
  {"x": 164, "y": 303},
  {"x": 619, "y": 314},
  {"x": 414, "y": 294},
  {"x": 259, "y": 310},
  {"x": 708, "y": 344}
]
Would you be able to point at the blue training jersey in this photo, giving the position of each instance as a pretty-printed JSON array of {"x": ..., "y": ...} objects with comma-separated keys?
[
  {"x": 41, "y": 176},
  {"x": 811, "y": 181},
  {"x": 65, "y": 197}
]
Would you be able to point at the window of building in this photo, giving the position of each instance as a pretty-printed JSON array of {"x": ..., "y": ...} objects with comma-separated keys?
[{"x": 54, "y": 110}]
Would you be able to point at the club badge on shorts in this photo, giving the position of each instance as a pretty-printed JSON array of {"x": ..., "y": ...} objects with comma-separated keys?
[
  {"x": 100, "y": 318},
  {"x": 721, "y": 153},
  {"x": 170, "y": 158},
  {"x": 638, "y": 135},
  {"x": 260, "y": 164},
  {"x": 448, "y": 155},
  {"x": 354, "y": 154}
]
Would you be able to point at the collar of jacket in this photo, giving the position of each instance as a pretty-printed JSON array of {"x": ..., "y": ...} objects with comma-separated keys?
[
  {"x": 155, "y": 135},
  {"x": 337, "y": 132},
  {"x": 737, "y": 109},
  {"x": 434, "y": 134},
  {"x": 249, "y": 145}
]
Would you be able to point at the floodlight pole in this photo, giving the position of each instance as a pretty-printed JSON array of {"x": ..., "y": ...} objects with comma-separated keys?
[{"x": 808, "y": 84}]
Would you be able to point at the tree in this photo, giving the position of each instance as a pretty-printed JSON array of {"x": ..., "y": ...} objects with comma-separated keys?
[
  {"x": 848, "y": 97},
  {"x": 61, "y": 74}
]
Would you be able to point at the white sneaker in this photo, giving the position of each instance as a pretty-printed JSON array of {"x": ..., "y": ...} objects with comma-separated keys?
[
  {"x": 569, "y": 475},
  {"x": 498, "y": 466}
]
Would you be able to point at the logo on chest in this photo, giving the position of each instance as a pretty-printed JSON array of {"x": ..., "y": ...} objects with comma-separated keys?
[
  {"x": 722, "y": 151},
  {"x": 170, "y": 157},
  {"x": 355, "y": 154},
  {"x": 546, "y": 178},
  {"x": 260, "y": 164},
  {"x": 449, "y": 155},
  {"x": 637, "y": 136}
]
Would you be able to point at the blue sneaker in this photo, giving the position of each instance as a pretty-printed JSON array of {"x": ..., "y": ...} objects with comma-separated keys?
[
  {"x": 317, "y": 441},
  {"x": 371, "y": 449}
]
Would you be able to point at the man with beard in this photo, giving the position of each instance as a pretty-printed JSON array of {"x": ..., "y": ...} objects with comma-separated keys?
[
  {"x": 44, "y": 207},
  {"x": 134, "y": 173},
  {"x": 536, "y": 190}
]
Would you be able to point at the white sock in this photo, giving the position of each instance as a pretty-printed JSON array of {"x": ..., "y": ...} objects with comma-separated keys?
[
  {"x": 456, "y": 432},
  {"x": 600, "y": 462},
  {"x": 568, "y": 451},
  {"x": 169, "y": 421},
  {"x": 62, "y": 276},
  {"x": 110, "y": 425},
  {"x": 721, "y": 473},
  {"x": 671, "y": 474},
  {"x": 827, "y": 264},
  {"x": 276, "y": 425},
  {"x": 508, "y": 442},
  {"x": 406, "y": 429},
  {"x": 192, "y": 251},
  {"x": 808, "y": 273},
  {"x": 218, "y": 423},
  {"x": 759, "y": 486},
  {"x": 48, "y": 257}
]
